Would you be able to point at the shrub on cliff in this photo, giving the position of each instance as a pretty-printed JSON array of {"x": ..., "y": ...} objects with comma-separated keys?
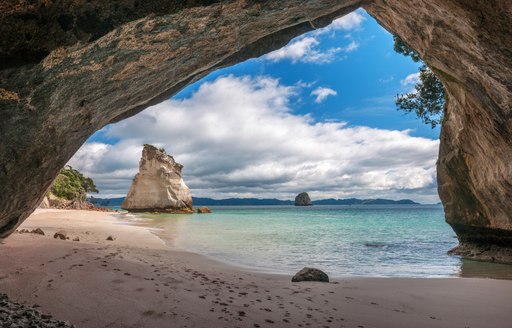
[
  {"x": 428, "y": 99},
  {"x": 70, "y": 184}
]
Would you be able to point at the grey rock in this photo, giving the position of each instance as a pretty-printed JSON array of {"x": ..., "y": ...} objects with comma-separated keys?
[
  {"x": 38, "y": 231},
  {"x": 303, "y": 199},
  {"x": 310, "y": 274},
  {"x": 13, "y": 314},
  {"x": 61, "y": 235},
  {"x": 488, "y": 253}
]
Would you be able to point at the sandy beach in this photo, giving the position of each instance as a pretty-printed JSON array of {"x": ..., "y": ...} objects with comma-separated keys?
[{"x": 137, "y": 280}]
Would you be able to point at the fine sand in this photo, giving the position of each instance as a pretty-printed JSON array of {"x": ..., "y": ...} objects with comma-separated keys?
[{"x": 138, "y": 281}]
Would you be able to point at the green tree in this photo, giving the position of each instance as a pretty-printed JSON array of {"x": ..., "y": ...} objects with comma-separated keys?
[
  {"x": 429, "y": 97},
  {"x": 70, "y": 184}
]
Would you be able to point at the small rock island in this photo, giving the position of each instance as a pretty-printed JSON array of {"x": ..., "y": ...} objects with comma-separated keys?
[
  {"x": 303, "y": 199},
  {"x": 159, "y": 186}
]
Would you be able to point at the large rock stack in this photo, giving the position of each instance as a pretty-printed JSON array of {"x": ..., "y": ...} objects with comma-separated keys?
[
  {"x": 303, "y": 199},
  {"x": 159, "y": 186}
]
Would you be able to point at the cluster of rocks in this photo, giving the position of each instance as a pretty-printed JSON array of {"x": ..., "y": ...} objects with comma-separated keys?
[
  {"x": 61, "y": 234},
  {"x": 15, "y": 315},
  {"x": 37, "y": 231},
  {"x": 51, "y": 201}
]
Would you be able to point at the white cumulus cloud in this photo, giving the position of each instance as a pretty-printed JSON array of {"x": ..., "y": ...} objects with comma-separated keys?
[
  {"x": 410, "y": 80},
  {"x": 238, "y": 137},
  {"x": 307, "y": 49},
  {"x": 352, "y": 46},
  {"x": 321, "y": 93},
  {"x": 351, "y": 21},
  {"x": 303, "y": 50}
]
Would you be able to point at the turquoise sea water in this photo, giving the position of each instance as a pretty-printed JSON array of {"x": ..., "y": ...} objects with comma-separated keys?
[{"x": 370, "y": 240}]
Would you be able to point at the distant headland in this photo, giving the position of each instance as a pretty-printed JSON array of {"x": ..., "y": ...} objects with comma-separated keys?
[{"x": 202, "y": 201}]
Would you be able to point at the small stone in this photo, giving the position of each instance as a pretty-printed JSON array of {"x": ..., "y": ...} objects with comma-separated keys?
[
  {"x": 110, "y": 238},
  {"x": 60, "y": 235},
  {"x": 310, "y": 274},
  {"x": 76, "y": 238},
  {"x": 38, "y": 231}
]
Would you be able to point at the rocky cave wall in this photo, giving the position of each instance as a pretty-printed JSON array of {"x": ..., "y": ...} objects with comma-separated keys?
[
  {"x": 469, "y": 46},
  {"x": 68, "y": 68}
]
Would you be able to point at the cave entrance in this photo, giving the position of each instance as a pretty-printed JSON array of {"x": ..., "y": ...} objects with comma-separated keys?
[
  {"x": 108, "y": 72},
  {"x": 316, "y": 115}
]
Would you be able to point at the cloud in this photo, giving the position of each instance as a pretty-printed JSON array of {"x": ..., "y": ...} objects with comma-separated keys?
[
  {"x": 351, "y": 47},
  {"x": 388, "y": 79},
  {"x": 321, "y": 93},
  {"x": 238, "y": 137},
  {"x": 410, "y": 80},
  {"x": 303, "y": 50},
  {"x": 307, "y": 48},
  {"x": 348, "y": 22}
]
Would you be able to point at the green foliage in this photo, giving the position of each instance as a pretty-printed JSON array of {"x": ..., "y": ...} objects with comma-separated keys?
[
  {"x": 429, "y": 98},
  {"x": 70, "y": 184},
  {"x": 403, "y": 48}
]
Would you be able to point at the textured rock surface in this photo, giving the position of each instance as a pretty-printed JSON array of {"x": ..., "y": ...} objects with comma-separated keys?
[
  {"x": 469, "y": 45},
  {"x": 203, "y": 210},
  {"x": 13, "y": 314},
  {"x": 303, "y": 199},
  {"x": 63, "y": 235},
  {"x": 45, "y": 203},
  {"x": 310, "y": 274},
  {"x": 71, "y": 67},
  {"x": 159, "y": 186}
]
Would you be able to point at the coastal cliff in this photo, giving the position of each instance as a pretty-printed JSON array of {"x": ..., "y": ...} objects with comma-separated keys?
[
  {"x": 159, "y": 185},
  {"x": 70, "y": 68}
]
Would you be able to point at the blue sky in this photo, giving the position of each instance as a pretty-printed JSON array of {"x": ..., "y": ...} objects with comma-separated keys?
[{"x": 331, "y": 90}]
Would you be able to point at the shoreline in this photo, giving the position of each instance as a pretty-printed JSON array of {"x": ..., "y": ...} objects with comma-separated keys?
[
  {"x": 167, "y": 233},
  {"x": 137, "y": 280}
]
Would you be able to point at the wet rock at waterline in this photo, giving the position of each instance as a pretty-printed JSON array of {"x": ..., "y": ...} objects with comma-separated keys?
[
  {"x": 310, "y": 274},
  {"x": 203, "y": 210}
]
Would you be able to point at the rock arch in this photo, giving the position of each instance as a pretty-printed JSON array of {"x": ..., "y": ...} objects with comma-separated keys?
[{"x": 68, "y": 68}]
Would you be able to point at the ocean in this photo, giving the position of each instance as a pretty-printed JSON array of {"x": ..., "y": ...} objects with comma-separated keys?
[{"x": 343, "y": 241}]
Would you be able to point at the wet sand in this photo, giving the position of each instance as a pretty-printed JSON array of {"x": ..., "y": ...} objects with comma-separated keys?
[{"x": 138, "y": 281}]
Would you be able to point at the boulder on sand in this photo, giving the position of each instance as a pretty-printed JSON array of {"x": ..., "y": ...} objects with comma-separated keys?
[{"x": 310, "y": 274}]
